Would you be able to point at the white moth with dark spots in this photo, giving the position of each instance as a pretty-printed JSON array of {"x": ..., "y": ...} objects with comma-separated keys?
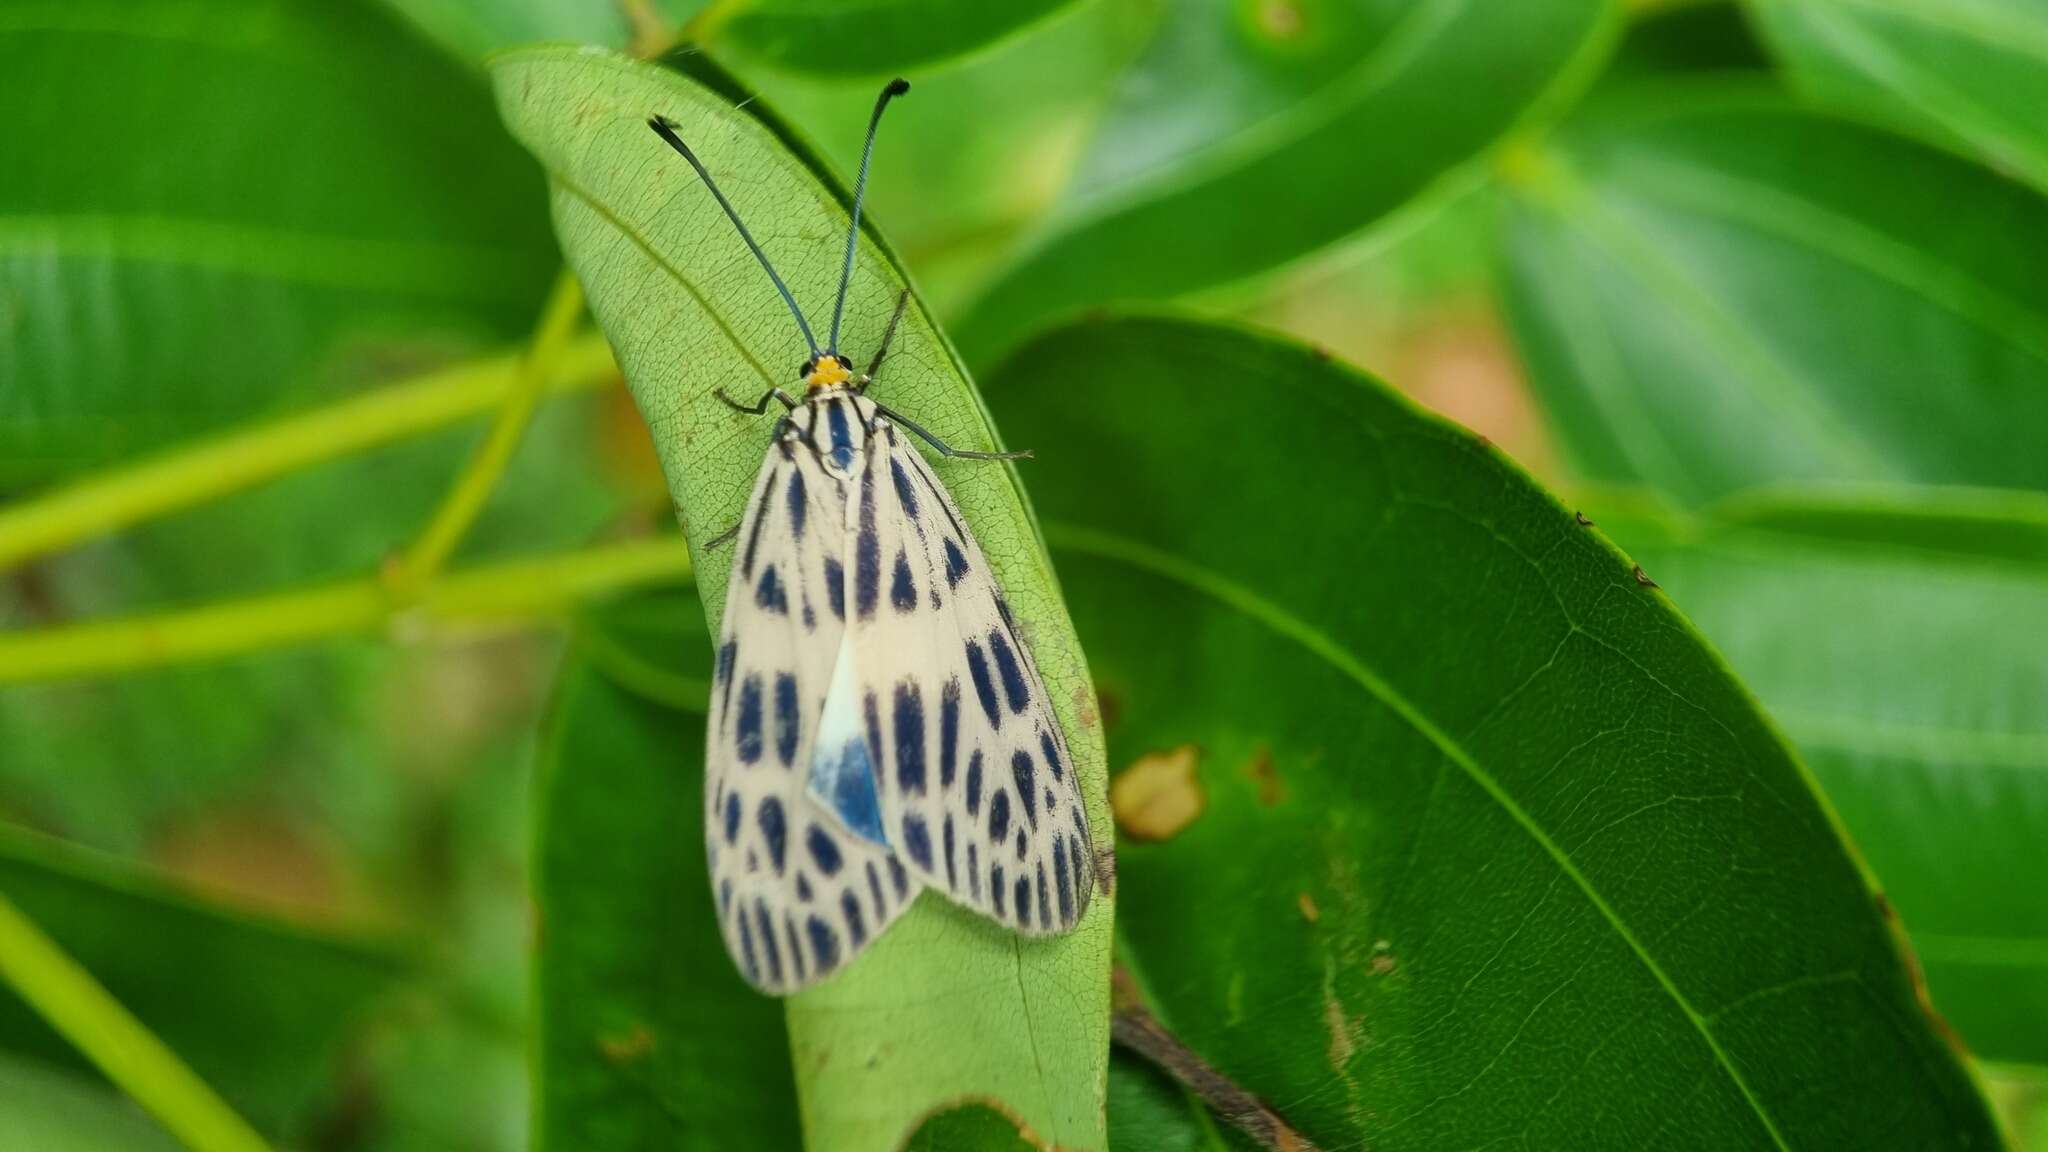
[{"x": 877, "y": 725}]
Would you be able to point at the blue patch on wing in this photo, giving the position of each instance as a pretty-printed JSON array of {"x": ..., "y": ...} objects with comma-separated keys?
[
  {"x": 841, "y": 774},
  {"x": 844, "y": 779}
]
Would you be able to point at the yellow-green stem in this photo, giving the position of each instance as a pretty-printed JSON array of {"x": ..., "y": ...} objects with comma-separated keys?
[
  {"x": 67, "y": 996},
  {"x": 184, "y": 477},
  {"x": 539, "y": 589},
  {"x": 472, "y": 489}
]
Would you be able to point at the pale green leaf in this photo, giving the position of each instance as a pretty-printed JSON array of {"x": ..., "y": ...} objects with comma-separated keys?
[{"x": 945, "y": 1005}]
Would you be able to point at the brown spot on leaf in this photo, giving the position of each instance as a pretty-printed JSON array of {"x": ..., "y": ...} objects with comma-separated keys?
[
  {"x": 1159, "y": 795},
  {"x": 1084, "y": 709},
  {"x": 1112, "y": 706},
  {"x": 1105, "y": 870},
  {"x": 627, "y": 1048},
  {"x": 1584, "y": 520},
  {"x": 1342, "y": 1046},
  {"x": 1278, "y": 19},
  {"x": 1643, "y": 577},
  {"x": 1309, "y": 911},
  {"x": 1383, "y": 964},
  {"x": 1267, "y": 778},
  {"x": 1347, "y": 1034}
]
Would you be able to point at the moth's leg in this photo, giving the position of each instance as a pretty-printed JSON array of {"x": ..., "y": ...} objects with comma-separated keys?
[
  {"x": 758, "y": 406},
  {"x": 942, "y": 448},
  {"x": 723, "y": 538},
  {"x": 888, "y": 334}
]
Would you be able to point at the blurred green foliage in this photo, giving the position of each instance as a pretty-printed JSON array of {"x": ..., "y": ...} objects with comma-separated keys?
[{"x": 1753, "y": 285}]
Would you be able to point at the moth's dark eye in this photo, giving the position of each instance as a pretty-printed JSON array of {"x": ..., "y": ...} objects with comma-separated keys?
[
  {"x": 844, "y": 362},
  {"x": 805, "y": 371}
]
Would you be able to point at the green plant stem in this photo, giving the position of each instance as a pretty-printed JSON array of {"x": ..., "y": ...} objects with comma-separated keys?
[
  {"x": 193, "y": 475},
  {"x": 473, "y": 488},
  {"x": 541, "y": 589},
  {"x": 79, "y": 1008}
]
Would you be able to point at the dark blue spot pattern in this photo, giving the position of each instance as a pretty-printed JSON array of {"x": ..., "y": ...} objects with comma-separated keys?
[
  {"x": 902, "y": 590},
  {"x": 769, "y": 595},
  {"x": 956, "y": 564},
  {"x": 799, "y": 505},
  {"x": 984, "y": 688},
  {"x": 835, "y": 588},
  {"x": 867, "y": 552},
  {"x": 904, "y": 493},
  {"x": 949, "y": 731},
  {"x": 1012, "y": 673},
  {"x": 774, "y": 830},
  {"x": 824, "y": 851},
  {"x": 1021, "y": 771},
  {"x": 787, "y": 725},
  {"x": 917, "y": 841},
  {"x": 910, "y": 766},
  {"x": 748, "y": 741}
]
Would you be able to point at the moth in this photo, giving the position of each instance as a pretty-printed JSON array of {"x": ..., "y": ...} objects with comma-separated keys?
[{"x": 877, "y": 724}]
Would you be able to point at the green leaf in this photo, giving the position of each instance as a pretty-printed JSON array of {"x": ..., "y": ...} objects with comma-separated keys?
[
  {"x": 1896, "y": 641},
  {"x": 1148, "y": 1112},
  {"x": 1969, "y": 72},
  {"x": 1683, "y": 38},
  {"x": 54, "y": 1111},
  {"x": 993, "y": 1017},
  {"x": 470, "y": 30},
  {"x": 646, "y": 1036},
  {"x": 970, "y": 1128},
  {"x": 260, "y": 1027},
  {"x": 1250, "y": 135},
  {"x": 231, "y": 210},
  {"x": 1494, "y": 849},
  {"x": 1715, "y": 290},
  {"x": 869, "y": 38}
]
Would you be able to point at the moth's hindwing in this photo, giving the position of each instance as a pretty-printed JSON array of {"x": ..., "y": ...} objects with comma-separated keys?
[
  {"x": 799, "y": 894},
  {"x": 978, "y": 791}
]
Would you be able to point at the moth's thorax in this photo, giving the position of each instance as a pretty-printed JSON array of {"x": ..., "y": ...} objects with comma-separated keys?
[
  {"x": 826, "y": 372},
  {"x": 834, "y": 423}
]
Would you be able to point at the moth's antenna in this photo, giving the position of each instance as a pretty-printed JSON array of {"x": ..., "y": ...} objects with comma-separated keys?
[
  {"x": 666, "y": 129},
  {"x": 895, "y": 88}
]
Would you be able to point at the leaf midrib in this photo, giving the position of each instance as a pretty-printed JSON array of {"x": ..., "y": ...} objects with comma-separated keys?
[
  {"x": 1966, "y": 117},
  {"x": 1990, "y": 27},
  {"x": 1817, "y": 228},
  {"x": 1123, "y": 550},
  {"x": 661, "y": 261},
  {"x": 1576, "y": 207}
]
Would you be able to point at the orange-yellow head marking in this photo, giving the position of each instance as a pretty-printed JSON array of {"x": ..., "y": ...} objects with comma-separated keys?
[{"x": 827, "y": 372}]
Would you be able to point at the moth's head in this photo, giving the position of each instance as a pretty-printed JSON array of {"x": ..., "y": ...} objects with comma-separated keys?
[{"x": 827, "y": 371}]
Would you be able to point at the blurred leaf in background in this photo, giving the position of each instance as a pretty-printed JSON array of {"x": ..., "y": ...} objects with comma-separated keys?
[
  {"x": 1249, "y": 135},
  {"x": 237, "y": 208},
  {"x": 1717, "y": 290},
  {"x": 1971, "y": 73}
]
